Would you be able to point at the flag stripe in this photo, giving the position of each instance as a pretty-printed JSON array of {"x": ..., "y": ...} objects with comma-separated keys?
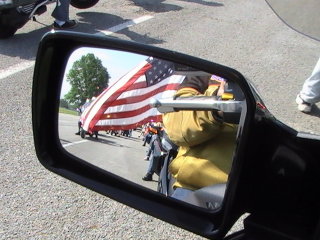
[
  {"x": 126, "y": 104},
  {"x": 125, "y": 114},
  {"x": 137, "y": 90},
  {"x": 106, "y": 94},
  {"x": 138, "y": 85},
  {"x": 129, "y": 126},
  {"x": 151, "y": 114},
  {"x": 118, "y": 92},
  {"x": 128, "y": 107},
  {"x": 112, "y": 93},
  {"x": 135, "y": 99}
]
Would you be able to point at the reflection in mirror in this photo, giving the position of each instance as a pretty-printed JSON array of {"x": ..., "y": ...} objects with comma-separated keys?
[{"x": 182, "y": 145}]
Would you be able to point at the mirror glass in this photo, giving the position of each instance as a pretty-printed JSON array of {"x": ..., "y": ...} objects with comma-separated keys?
[{"x": 106, "y": 119}]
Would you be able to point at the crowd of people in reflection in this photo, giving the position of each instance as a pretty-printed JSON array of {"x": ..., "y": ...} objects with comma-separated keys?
[{"x": 125, "y": 133}]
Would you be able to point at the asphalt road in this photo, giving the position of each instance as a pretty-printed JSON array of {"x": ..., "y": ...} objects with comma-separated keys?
[
  {"x": 245, "y": 35},
  {"x": 121, "y": 155}
]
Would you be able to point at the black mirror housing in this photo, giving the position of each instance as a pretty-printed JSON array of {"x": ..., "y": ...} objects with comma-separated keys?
[{"x": 53, "y": 53}]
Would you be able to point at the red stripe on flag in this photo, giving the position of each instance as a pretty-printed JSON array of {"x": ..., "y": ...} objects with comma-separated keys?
[
  {"x": 135, "y": 99},
  {"x": 137, "y": 85}
]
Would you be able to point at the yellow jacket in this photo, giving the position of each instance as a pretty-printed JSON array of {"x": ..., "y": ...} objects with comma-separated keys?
[{"x": 206, "y": 146}]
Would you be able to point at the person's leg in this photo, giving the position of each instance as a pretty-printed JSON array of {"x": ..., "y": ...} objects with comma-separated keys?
[
  {"x": 148, "y": 154},
  {"x": 310, "y": 93},
  {"x": 61, "y": 15},
  {"x": 146, "y": 139},
  {"x": 61, "y": 11},
  {"x": 79, "y": 128},
  {"x": 148, "y": 176}
]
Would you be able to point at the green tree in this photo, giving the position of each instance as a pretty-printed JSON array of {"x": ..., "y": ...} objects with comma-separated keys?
[{"x": 88, "y": 78}]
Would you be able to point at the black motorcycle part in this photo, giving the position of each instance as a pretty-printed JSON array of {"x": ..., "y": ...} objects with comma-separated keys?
[
  {"x": 7, "y": 31},
  {"x": 82, "y": 4},
  {"x": 42, "y": 9},
  {"x": 10, "y": 22}
]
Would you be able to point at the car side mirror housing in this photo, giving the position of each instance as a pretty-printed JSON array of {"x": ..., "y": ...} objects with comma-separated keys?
[{"x": 54, "y": 54}]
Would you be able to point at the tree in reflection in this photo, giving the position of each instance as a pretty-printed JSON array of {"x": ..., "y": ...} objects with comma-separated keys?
[{"x": 88, "y": 78}]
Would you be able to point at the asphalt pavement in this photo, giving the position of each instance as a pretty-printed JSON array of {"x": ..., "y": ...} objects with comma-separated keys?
[{"x": 121, "y": 155}]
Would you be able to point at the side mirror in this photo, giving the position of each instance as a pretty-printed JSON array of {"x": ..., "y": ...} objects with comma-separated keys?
[{"x": 98, "y": 87}]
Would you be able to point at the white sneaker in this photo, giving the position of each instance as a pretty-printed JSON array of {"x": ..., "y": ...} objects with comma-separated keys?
[{"x": 302, "y": 105}]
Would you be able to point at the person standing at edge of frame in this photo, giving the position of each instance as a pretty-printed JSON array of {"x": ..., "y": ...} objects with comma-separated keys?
[
  {"x": 61, "y": 15},
  {"x": 310, "y": 93}
]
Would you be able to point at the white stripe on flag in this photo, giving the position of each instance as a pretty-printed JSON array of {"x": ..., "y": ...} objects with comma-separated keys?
[
  {"x": 137, "y": 92},
  {"x": 130, "y": 120},
  {"x": 132, "y": 106}
]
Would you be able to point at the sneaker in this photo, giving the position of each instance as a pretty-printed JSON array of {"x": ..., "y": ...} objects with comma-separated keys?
[
  {"x": 302, "y": 105},
  {"x": 67, "y": 25},
  {"x": 146, "y": 158}
]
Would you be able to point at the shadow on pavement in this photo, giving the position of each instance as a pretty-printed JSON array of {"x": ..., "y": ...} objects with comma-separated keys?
[
  {"x": 157, "y": 6},
  {"x": 315, "y": 111},
  {"x": 25, "y": 45},
  {"x": 206, "y": 3},
  {"x": 110, "y": 140}
]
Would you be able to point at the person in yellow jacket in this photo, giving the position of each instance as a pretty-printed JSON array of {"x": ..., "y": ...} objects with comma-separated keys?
[{"x": 206, "y": 144}]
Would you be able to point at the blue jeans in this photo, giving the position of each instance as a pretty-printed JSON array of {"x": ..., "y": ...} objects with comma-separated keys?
[{"x": 61, "y": 11}]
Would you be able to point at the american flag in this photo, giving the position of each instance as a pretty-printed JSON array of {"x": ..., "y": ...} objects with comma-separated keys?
[{"x": 126, "y": 104}]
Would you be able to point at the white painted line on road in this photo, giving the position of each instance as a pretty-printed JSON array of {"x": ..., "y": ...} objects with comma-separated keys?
[
  {"x": 124, "y": 25},
  {"x": 74, "y": 143},
  {"x": 15, "y": 69},
  {"x": 28, "y": 64}
]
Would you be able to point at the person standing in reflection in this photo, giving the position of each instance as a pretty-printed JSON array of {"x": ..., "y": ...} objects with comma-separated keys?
[
  {"x": 206, "y": 142},
  {"x": 81, "y": 110},
  {"x": 155, "y": 152},
  {"x": 148, "y": 134},
  {"x": 310, "y": 93}
]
